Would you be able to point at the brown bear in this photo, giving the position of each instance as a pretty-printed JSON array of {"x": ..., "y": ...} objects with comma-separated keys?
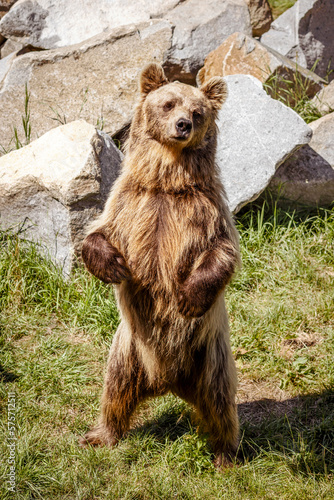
[{"x": 167, "y": 241}]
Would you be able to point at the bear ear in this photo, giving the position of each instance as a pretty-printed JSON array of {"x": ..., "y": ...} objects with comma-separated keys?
[
  {"x": 152, "y": 77},
  {"x": 216, "y": 91}
]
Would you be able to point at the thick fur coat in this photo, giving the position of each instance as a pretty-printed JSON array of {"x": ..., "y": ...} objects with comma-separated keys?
[{"x": 167, "y": 241}]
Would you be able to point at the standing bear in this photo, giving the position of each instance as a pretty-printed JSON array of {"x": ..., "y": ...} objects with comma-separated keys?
[{"x": 167, "y": 241}]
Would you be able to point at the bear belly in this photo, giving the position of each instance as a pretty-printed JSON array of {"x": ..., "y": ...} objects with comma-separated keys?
[{"x": 159, "y": 232}]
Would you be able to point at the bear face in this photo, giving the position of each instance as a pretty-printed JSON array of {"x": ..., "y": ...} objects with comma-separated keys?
[{"x": 179, "y": 115}]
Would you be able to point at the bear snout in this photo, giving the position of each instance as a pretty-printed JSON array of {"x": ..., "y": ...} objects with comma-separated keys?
[{"x": 183, "y": 128}]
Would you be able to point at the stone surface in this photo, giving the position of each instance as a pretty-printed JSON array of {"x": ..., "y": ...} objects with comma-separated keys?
[
  {"x": 200, "y": 27},
  {"x": 260, "y": 14},
  {"x": 241, "y": 54},
  {"x": 324, "y": 100},
  {"x": 54, "y": 186},
  {"x": 304, "y": 33},
  {"x": 305, "y": 178},
  {"x": 308, "y": 176},
  {"x": 9, "y": 47},
  {"x": 48, "y": 24},
  {"x": 5, "y": 65},
  {"x": 256, "y": 134},
  {"x": 323, "y": 137},
  {"x": 96, "y": 80}
]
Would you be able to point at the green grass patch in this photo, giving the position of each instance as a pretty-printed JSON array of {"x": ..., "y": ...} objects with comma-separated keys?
[
  {"x": 54, "y": 337},
  {"x": 280, "y": 6}
]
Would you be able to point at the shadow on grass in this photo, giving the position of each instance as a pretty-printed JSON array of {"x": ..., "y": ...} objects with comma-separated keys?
[
  {"x": 300, "y": 429},
  {"x": 297, "y": 431},
  {"x": 6, "y": 376},
  {"x": 172, "y": 423}
]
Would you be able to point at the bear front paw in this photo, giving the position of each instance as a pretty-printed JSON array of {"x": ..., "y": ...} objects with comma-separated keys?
[
  {"x": 191, "y": 307},
  {"x": 103, "y": 260}
]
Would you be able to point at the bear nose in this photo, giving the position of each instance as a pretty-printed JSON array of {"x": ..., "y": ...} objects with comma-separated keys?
[{"x": 183, "y": 127}]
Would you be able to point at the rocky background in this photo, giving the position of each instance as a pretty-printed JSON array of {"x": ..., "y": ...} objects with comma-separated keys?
[{"x": 68, "y": 87}]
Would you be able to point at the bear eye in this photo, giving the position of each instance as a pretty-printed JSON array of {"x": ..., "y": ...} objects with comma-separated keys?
[
  {"x": 196, "y": 114},
  {"x": 168, "y": 106}
]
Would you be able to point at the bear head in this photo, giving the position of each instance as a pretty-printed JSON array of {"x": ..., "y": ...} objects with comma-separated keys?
[{"x": 176, "y": 114}]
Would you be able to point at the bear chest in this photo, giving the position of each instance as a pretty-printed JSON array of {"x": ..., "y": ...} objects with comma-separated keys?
[{"x": 156, "y": 231}]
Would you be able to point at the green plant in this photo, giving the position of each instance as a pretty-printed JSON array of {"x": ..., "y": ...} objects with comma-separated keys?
[
  {"x": 25, "y": 122},
  {"x": 294, "y": 91},
  {"x": 280, "y": 6}
]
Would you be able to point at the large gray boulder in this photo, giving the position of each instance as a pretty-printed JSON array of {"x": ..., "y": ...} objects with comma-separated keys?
[
  {"x": 256, "y": 135},
  {"x": 56, "y": 185},
  {"x": 96, "y": 80},
  {"x": 47, "y": 24},
  {"x": 200, "y": 27},
  {"x": 304, "y": 33},
  {"x": 308, "y": 175}
]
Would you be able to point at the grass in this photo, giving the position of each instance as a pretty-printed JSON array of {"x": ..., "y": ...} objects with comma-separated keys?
[
  {"x": 54, "y": 338},
  {"x": 280, "y": 6}
]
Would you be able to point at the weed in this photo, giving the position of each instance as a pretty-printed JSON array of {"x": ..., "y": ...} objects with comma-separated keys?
[
  {"x": 280, "y": 6},
  {"x": 25, "y": 122},
  {"x": 295, "y": 91}
]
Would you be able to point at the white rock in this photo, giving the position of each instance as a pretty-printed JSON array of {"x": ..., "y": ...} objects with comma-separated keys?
[
  {"x": 95, "y": 80},
  {"x": 256, "y": 134},
  {"x": 201, "y": 27},
  {"x": 48, "y": 24},
  {"x": 304, "y": 33},
  {"x": 324, "y": 100},
  {"x": 54, "y": 186},
  {"x": 5, "y": 65},
  {"x": 9, "y": 47}
]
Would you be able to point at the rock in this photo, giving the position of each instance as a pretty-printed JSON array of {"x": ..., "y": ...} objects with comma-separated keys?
[
  {"x": 304, "y": 33},
  {"x": 5, "y": 65},
  {"x": 260, "y": 14},
  {"x": 96, "y": 80},
  {"x": 323, "y": 137},
  {"x": 54, "y": 186},
  {"x": 324, "y": 100},
  {"x": 241, "y": 54},
  {"x": 256, "y": 134},
  {"x": 307, "y": 177},
  {"x": 9, "y": 47},
  {"x": 47, "y": 24},
  {"x": 200, "y": 27}
]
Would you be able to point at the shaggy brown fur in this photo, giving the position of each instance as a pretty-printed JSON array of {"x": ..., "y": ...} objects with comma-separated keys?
[{"x": 167, "y": 240}]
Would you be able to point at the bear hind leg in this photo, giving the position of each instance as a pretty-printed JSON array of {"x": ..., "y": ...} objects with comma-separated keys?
[{"x": 126, "y": 385}]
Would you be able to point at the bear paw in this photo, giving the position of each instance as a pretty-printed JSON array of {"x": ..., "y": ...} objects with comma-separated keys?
[
  {"x": 191, "y": 307},
  {"x": 103, "y": 260},
  {"x": 98, "y": 437}
]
